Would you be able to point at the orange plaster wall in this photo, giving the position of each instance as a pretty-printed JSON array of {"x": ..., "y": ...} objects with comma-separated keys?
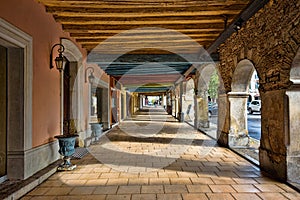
[{"x": 30, "y": 17}]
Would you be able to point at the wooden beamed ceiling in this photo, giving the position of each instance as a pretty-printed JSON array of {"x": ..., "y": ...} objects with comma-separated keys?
[
  {"x": 91, "y": 22},
  {"x": 146, "y": 27}
]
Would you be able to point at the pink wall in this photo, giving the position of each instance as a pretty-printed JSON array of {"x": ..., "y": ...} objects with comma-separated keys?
[{"x": 30, "y": 17}]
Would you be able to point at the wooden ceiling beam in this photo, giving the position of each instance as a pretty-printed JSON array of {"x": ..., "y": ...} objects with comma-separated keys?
[
  {"x": 193, "y": 13},
  {"x": 139, "y": 8},
  {"x": 70, "y": 27},
  {"x": 165, "y": 33},
  {"x": 141, "y": 37},
  {"x": 179, "y": 19},
  {"x": 157, "y": 51},
  {"x": 146, "y": 23},
  {"x": 147, "y": 41},
  {"x": 144, "y": 2}
]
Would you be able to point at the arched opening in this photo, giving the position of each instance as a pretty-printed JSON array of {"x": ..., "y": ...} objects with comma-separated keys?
[
  {"x": 245, "y": 106},
  {"x": 293, "y": 144},
  {"x": 206, "y": 99},
  {"x": 188, "y": 102}
]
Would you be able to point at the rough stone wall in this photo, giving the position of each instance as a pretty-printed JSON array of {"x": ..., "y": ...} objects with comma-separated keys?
[{"x": 270, "y": 40}]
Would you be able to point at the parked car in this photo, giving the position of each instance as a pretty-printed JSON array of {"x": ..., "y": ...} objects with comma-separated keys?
[
  {"x": 254, "y": 106},
  {"x": 212, "y": 109}
]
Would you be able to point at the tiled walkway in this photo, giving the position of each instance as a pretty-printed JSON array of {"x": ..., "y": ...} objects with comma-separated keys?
[{"x": 155, "y": 157}]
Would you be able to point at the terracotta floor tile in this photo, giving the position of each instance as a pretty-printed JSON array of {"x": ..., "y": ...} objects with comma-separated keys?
[
  {"x": 197, "y": 196},
  {"x": 175, "y": 189},
  {"x": 202, "y": 181},
  {"x": 96, "y": 182},
  {"x": 39, "y": 191},
  {"x": 138, "y": 181},
  {"x": 198, "y": 188},
  {"x": 221, "y": 188},
  {"x": 187, "y": 175},
  {"x": 118, "y": 197},
  {"x": 286, "y": 188},
  {"x": 272, "y": 196},
  {"x": 117, "y": 181},
  {"x": 223, "y": 180},
  {"x": 167, "y": 175},
  {"x": 110, "y": 175},
  {"x": 245, "y": 180},
  {"x": 245, "y": 196},
  {"x": 75, "y": 182},
  {"x": 82, "y": 190},
  {"x": 59, "y": 191},
  {"x": 220, "y": 196},
  {"x": 148, "y": 175},
  {"x": 130, "y": 189},
  {"x": 268, "y": 188},
  {"x": 292, "y": 195},
  {"x": 50, "y": 183},
  {"x": 152, "y": 189},
  {"x": 42, "y": 198},
  {"x": 143, "y": 197},
  {"x": 159, "y": 181},
  {"x": 106, "y": 190},
  {"x": 245, "y": 188},
  {"x": 169, "y": 197},
  {"x": 185, "y": 181}
]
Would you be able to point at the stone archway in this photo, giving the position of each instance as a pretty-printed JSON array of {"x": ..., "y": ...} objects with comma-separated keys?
[
  {"x": 293, "y": 144},
  {"x": 238, "y": 134},
  {"x": 188, "y": 101},
  {"x": 202, "y": 79}
]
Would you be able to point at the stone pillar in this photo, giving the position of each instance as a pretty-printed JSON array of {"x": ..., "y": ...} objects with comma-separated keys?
[
  {"x": 180, "y": 114},
  {"x": 196, "y": 111},
  {"x": 238, "y": 132},
  {"x": 293, "y": 148},
  {"x": 223, "y": 120},
  {"x": 140, "y": 101},
  {"x": 169, "y": 104},
  {"x": 272, "y": 150},
  {"x": 105, "y": 111},
  {"x": 202, "y": 110}
]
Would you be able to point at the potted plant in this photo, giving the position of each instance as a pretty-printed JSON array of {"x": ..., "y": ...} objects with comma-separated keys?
[
  {"x": 96, "y": 128},
  {"x": 67, "y": 146}
]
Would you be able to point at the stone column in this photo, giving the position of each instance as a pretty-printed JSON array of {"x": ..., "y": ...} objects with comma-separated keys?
[
  {"x": 273, "y": 148},
  {"x": 223, "y": 120},
  {"x": 202, "y": 110},
  {"x": 105, "y": 110},
  {"x": 180, "y": 114},
  {"x": 293, "y": 143},
  {"x": 196, "y": 105},
  {"x": 238, "y": 132},
  {"x": 140, "y": 101}
]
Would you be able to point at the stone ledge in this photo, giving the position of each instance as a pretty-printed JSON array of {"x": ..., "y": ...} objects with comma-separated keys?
[{"x": 15, "y": 189}]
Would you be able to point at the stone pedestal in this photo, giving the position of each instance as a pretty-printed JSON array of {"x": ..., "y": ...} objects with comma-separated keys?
[{"x": 238, "y": 132}]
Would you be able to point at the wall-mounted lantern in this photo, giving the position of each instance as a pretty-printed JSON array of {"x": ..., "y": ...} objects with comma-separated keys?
[
  {"x": 91, "y": 77},
  {"x": 60, "y": 61}
]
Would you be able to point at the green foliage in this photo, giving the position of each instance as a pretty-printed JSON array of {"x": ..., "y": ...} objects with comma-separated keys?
[{"x": 213, "y": 85}]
